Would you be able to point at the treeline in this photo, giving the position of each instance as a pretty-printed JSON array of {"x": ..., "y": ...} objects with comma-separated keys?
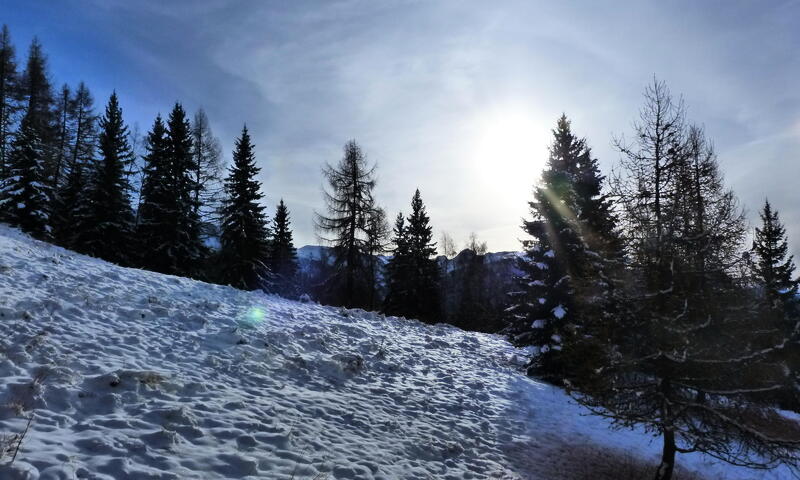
[
  {"x": 165, "y": 201},
  {"x": 641, "y": 297},
  {"x": 162, "y": 202}
]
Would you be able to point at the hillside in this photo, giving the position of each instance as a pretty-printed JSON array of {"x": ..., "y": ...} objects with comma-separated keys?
[{"x": 132, "y": 374}]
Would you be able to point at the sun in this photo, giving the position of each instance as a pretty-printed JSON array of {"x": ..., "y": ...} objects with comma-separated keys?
[{"x": 511, "y": 148}]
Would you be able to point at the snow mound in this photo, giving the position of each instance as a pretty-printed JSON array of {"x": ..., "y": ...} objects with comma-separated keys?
[{"x": 132, "y": 374}]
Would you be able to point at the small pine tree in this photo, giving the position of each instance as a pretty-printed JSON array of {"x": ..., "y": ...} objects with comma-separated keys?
[
  {"x": 397, "y": 270},
  {"x": 245, "y": 247},
  {"x": 413, "y": 284},
  {"x": 772, "y": 268},
  {"x": 25, "y": 195},
  {"x": 283, "y": 255},
  {"x": 108, "y": 229}
]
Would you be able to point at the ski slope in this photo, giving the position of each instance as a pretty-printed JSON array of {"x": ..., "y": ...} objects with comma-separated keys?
[{"x": 135, "y": 375}]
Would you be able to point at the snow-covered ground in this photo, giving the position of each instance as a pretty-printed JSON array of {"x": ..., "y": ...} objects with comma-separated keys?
[{"x": 132, "y": 374}]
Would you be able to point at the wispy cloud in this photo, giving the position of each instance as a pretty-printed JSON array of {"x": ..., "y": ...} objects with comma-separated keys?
[{"x": 426, "y": 86}]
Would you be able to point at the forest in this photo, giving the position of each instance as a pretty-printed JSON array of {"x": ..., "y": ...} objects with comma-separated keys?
[{"x": 643, "y": 292}]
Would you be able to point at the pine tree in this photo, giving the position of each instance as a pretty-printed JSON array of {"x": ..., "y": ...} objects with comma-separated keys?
[
  {"x": 283, "y": 255},
  {"x": 398, "y": 271},
  {"x": 9, "y": 90},
  {"x": 245, "y": 247},
  {"x": 187, "y": 249},
  {"x": 683, "y": 365},
  {"x": 544, "y": 307},
  {"x": 72, "y": 202},
  {"x": 37, "y": 101},
  {"x": 349, "y": 203},
  {"x": 413, "y": 283},
  {"x": 156, "y": 210},
  {"x": 772, "y": 268},
  {"x": 25, "y": 195},
  {"x": 108, "y": 231}
]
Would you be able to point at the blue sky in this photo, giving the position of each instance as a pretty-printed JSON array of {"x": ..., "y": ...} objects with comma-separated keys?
[{"x": 454, "y": 97}]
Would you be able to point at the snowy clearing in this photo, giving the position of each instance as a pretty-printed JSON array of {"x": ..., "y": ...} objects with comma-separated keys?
[{"x": 132, "y": 374}]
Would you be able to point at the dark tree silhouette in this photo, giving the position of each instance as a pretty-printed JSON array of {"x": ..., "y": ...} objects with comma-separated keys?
[
  {"x": 108, "y": 227},
  {"x": 349, "y": 203},
  {"x": 413, "y": 274},
  {"x": 245, "y": 249},
  {"x": 283, "y": 255}
]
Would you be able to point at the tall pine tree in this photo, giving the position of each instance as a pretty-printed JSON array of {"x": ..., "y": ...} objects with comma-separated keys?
[
  {"x": 245, "y": 246},
  {"x": 9, "y": 92},
  {"x": 37, "y": 100},
  {"x": 187, "y": 249},
  {"x": 108, "y": 229},
  {"x": 413, "y": 282},
  {"x": 348, "y": 202},
  {"x": 155, "y": 214},
  {"x": 568, "y": 209}
]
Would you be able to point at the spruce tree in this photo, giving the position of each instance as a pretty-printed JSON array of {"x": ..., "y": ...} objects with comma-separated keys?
[
  {"x": 283, "y": 255},
  {"x": 9, "y": 90},
  {"x": 25, "y": 195},
  {"x": 544, "y": 307},
  {"x": 245, "y": 247},
  {"x": 398, "y": 269},
  {"x": 156, "y": 209},
  {"x": 108, "y": 229},
  {"x": 37, "y": 101},
  {"x": 773, "y": 269},
  {"x": 413, "y": 282},
  {"x": 349, "y": 202},
  {"x": 187, "y": 249}
]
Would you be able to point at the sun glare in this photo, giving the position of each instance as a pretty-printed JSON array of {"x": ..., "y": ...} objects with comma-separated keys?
[{"x": 510, "y": 152}]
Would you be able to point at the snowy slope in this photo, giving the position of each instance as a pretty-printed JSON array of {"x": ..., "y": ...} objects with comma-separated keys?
[{"x": 132, "y": 374}]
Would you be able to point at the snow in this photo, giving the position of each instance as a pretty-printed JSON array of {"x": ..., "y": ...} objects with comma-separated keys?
[
  {"x": 132, "y": 374},
  {"x": 559, "y": 312}
]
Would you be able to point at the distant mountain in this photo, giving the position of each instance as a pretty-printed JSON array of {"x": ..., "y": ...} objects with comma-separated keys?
[{"x": 473, "y": 288}]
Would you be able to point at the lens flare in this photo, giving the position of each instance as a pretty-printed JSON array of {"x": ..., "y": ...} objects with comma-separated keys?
[{"x": 252, "y": 317}]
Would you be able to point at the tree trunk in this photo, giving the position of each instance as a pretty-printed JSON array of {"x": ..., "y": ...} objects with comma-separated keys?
[{"x": 664, "y": 471}]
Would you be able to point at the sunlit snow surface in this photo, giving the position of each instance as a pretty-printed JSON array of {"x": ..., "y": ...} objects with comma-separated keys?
[{"x": 137, "y": 375}]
